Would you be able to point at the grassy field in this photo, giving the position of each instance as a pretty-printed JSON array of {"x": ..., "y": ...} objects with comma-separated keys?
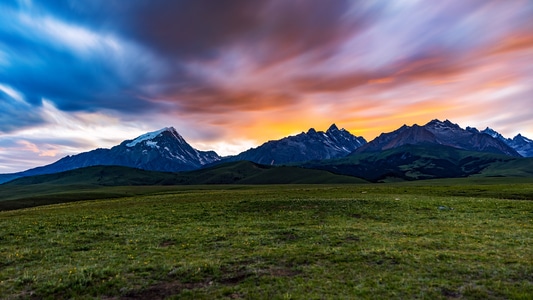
[{"x": 429, "y": 240}]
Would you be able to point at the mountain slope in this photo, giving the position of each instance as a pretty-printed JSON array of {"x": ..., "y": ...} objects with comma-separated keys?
[
  {"x": 99, "y": 175},
  {"x": 424, "y": 161},
  {"x": 438, "y": 133},
  {"x": 162, "y": 150},
  {"x": 242, "y": 172},
  {"x": 521, "y": 144},
  {"x": 246, "y": 172},
  {"x": 312, "y": 145}
]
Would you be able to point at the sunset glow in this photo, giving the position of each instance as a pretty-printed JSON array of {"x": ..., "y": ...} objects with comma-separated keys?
[{"x": 232, "y": 74}]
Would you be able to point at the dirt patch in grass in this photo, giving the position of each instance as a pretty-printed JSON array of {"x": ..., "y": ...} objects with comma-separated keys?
[
  {"x": 162, "y": 290},
  {"x": 236, "y": 278},
  {"x": 167, "y": 243},
  {"x": 283, "y": 272},
  {"x": 352, "y": 238},
  {"x": 449, "y": 294}
]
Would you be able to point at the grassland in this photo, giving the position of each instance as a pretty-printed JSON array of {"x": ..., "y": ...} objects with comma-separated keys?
[{"x": 428, "y": 240}]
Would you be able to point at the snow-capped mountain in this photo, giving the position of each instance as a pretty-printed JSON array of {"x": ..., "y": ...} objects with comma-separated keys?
[
  {"x": 161, "y": 150},
  {"x": 306, "y": 146},
  {"x": 439, "y": 132},
  {"x": 521, "y": 144}
]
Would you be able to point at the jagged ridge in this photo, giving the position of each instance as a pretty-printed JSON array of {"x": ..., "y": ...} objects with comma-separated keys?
[
  {"x": 306, "y": 146},
  {"x": 521, "y": 144},
  {"x": 438, "y": 132}
]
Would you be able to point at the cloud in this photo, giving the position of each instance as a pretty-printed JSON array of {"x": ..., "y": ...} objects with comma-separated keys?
[
  {"x": 15, "y": 112},
  {"x": 73, "y": 66},
  {"x": 257, "y": 70}
]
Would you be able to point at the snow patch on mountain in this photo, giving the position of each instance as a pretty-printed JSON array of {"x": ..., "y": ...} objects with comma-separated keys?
[
  {"x": 521, "y": 144},
  {"x": 152, "y": 144},
  {"x": 306, "y": 146},
  {"x": 148, "y": 136},
  {"x": 493, "y": 133}
]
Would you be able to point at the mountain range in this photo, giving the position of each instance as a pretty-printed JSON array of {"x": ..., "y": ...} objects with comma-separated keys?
[
  {"x": 166, "y": 150},
  {"x": 521, "y": 144},
  {"x": 438, "y": 132},
  {"x": 306, "y": 146}
]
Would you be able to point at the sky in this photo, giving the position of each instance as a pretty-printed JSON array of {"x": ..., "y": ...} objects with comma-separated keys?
[{"x": 232, "y": 74}]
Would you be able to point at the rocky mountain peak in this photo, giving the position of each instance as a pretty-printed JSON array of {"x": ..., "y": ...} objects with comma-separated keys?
[
  {"x": 332, "y": 128},
  {"x": 443, "y": 133},
  {"x": 150, "y": 138},
  {"x": 493, "y": 133},
  {"x": 441, "y": 125},
  {"x": 313, "y": 145}
]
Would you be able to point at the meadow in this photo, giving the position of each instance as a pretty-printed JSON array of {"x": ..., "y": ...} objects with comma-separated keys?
[{"x": 447, "y": 239}]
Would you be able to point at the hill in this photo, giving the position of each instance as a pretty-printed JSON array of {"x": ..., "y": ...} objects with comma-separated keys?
[
  {"x": 246, "y": 172},
  {"x": 241, "y": 172},
  {"x": 426, "y": 161},
  {"x": 100, "y": 182}
]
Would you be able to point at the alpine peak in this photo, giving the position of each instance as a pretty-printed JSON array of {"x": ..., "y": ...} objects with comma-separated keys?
[
  {"x": 442, "y": 124},
  {"x": 439, "y": 132},
  {"x": 493, "y": 133},
  {"x": 333, "y": 128},
  {"x": 306, "y": 146},
  {"x": 151, "y": 135}
]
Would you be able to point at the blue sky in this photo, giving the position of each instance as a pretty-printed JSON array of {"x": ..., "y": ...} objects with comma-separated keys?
[{"x": 232, "y": 74}]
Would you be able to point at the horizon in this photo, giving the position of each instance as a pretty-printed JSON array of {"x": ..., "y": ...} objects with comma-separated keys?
[
  {"x": 255, "y": 146},
  {"x": 231, "y": 75}
]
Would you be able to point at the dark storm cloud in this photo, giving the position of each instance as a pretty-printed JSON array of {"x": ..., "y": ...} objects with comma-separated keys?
[
  {"x": 202, "y": 28},
  {"x": 265, "y": 33},
  {"x": 187, "y": 29},
  {"x": 47, "y": 63}
]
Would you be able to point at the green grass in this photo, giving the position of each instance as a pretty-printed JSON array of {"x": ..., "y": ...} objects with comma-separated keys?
[
  {"x": 99, "y": 182},
  {"x": 429, "y": 240}
]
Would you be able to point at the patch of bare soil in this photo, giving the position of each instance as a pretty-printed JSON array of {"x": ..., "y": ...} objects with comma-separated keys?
[
  {"x": 162, "y": 290},
  {"x": 166, "y": 289}
]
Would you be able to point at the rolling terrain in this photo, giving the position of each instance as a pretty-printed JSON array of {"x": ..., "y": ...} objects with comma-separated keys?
[
  {"x": 116, "y": 181},
  {"x": 426, "y": 161},
  {"x": 433, "y": 239}
]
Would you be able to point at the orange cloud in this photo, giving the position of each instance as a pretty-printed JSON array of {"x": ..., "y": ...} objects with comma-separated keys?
[
  {"x": 381, "y": 80},
  {"x": 513, "y": 43}
]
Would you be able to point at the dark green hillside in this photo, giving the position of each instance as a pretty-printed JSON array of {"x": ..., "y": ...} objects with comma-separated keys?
[
  {"x": 246, "y": 172},
  {"x": 100, "y": 175},
  {"x": 512, "y": 168},
  {"x": 414, "y": 162},
  {"x": 112, "y": 181}
]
